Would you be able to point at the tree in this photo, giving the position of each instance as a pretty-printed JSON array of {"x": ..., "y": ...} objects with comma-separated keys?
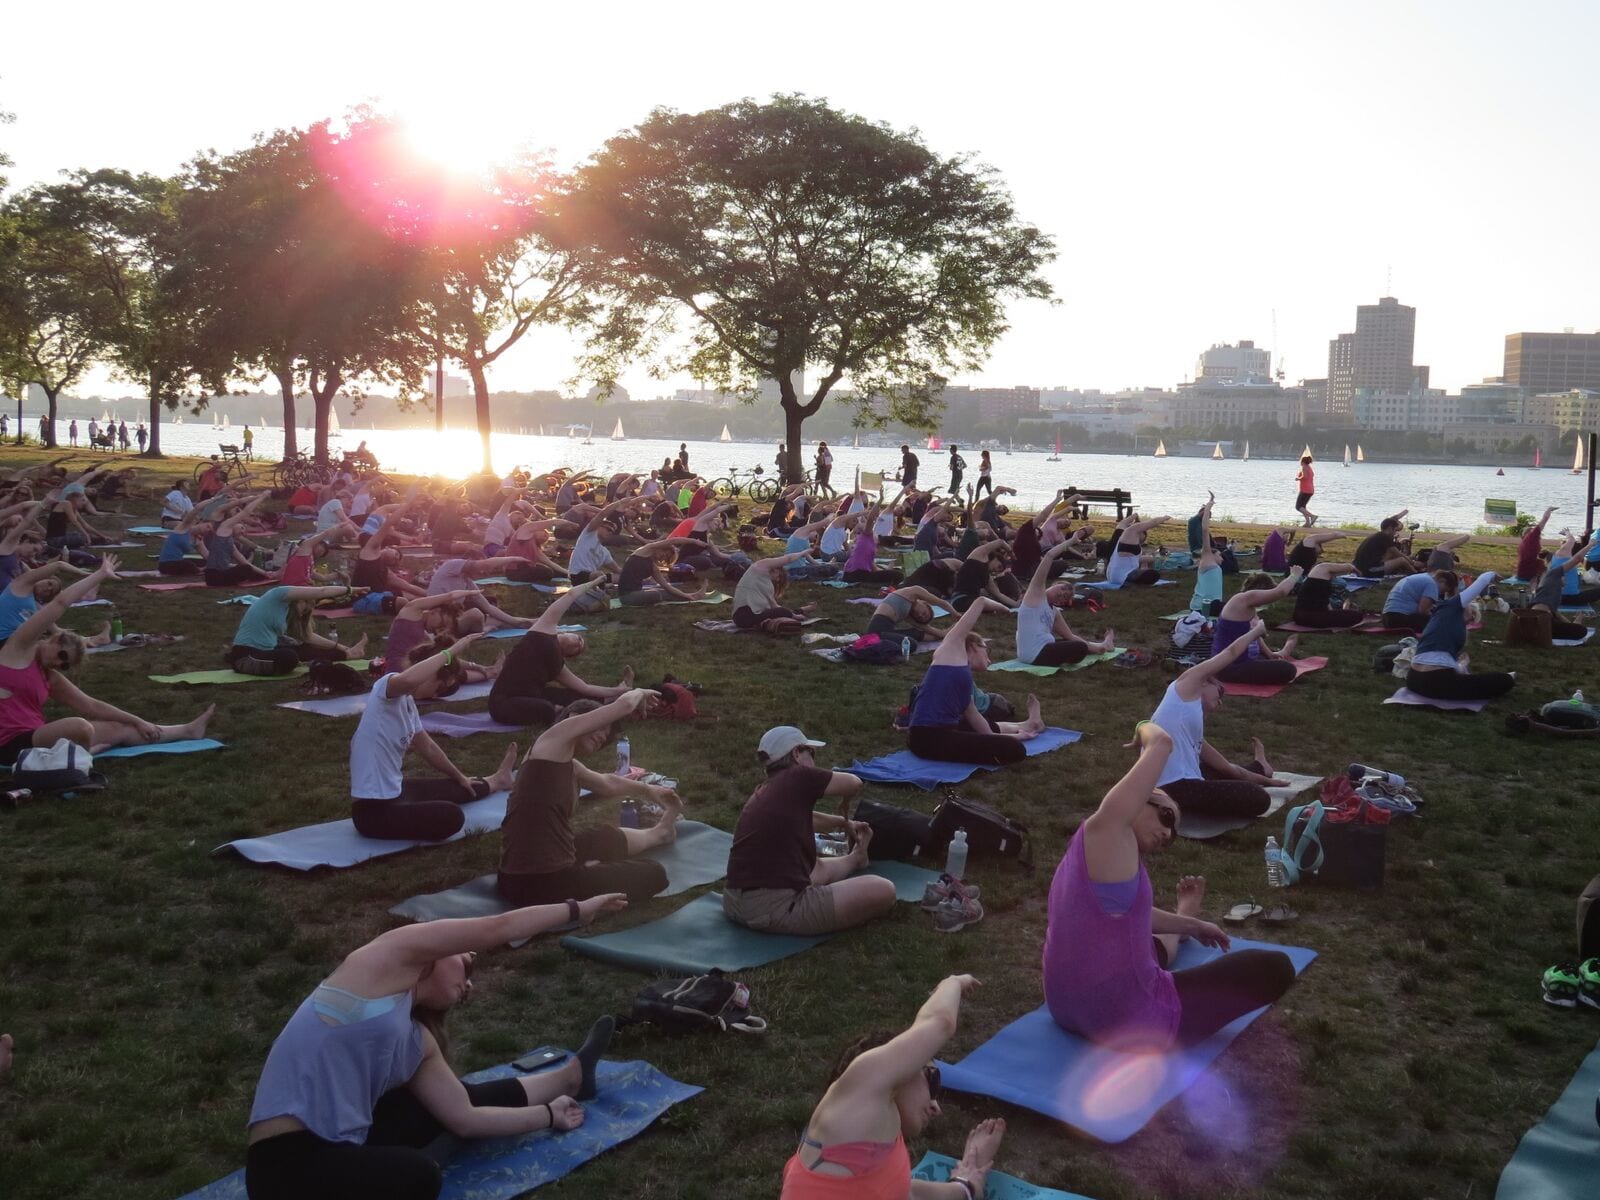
[{"x": 798, "y": 238}]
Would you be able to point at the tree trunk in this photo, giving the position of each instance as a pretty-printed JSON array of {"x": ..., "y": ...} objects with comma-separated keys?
[
  {"x": 154, "y": 449},
  {"x": 49, "y": 438},
  {"x": 285, "y": 376},
  {"x": 480, "y": 394},
  {"x": 322, "y": 396},
  {"x": 794, "y": 467}
]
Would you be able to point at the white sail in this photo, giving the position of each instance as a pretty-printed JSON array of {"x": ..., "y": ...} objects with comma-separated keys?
[
  {"x": 1306, "y": 453},
  {"x": 227, "y": 421},
  {"x": 1246, "y": 457},
  {"x": 616, "y": 434},
  {"x": 1161, "y": 449},
  {"x": 1577, "y": 457},
  {"x": 333, "y": 421},
  {"x": 1216, "y": 451},
  {"x": 1347, "y": 454},
  {"x": 1361, "y": 455},
  {"x": 588, "y": 438},
  {"x": 725, "y": 437}
]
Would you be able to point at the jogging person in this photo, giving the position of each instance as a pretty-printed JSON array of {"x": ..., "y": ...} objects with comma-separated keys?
[{"x": 1306, "y": 479}]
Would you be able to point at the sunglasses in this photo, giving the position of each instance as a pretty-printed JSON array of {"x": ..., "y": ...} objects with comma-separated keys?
[
  {"x": 64, "y": 659},
  {"x": 1164, "y": 814},
  {"x": 935, "y": 1085}
]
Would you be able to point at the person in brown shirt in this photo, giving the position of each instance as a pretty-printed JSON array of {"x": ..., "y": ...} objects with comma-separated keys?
[
  {"x": 776, "y": 883},
  {"x": 541, "y": 856}
]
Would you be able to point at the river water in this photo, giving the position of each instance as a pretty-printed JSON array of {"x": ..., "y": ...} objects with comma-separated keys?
[{"x": 1440, "y": 497}]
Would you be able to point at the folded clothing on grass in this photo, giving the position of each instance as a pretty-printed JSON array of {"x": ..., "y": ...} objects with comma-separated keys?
[
  {"x": 337, "y": 844},
  {"x": 905, "y": 767},
  {"x": 1302, "y": 666}
]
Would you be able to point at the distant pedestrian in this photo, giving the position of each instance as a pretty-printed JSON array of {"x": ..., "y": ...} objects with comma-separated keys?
[
  {"x": 781, "y": 460},
  {"x": 985, "y": 475},
  {"x": 142, "y": 435},
  {"x": 72, "y": 431},
  {"x": 44, "y": 429},
  {"x": 1307, "y": 481},
  {"x": 5, "y": 423},
  {"x": 249, "y": 443},
  {"x": 683, "y": 454},
  {"x": 909, "y": 463},
  {"x": 122, "y": 434},
  {"x": 958, "y": 466},
  {"x": 825, "y": 469}
]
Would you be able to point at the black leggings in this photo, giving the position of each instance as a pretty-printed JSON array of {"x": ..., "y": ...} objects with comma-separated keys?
[
  {"x": 400, "y": 1160},
  {"x": 748, "y": 618},
  {"x": 885, "y": 628},
  {"x": 983, "y": 482},
  {"x": 1415, "y": 622},
  {"x": 1226, "y": 988},
  {"x": 1459, "y": 685},
  {"x": 249, "y": 660},
  {"x": 886, "y": 576},
  {"x": 182, "y": 566},
  {"x": 426, "y": 810},
  {"x": 607, "y": 848},
  {"x": 952, "y": 743},
  {"x": 1062, "y": 652},
  {"x": 1330, "y": 618},
  {"x": 232, "y": 576},
  {"x": 539, "y": 709},
  {"x": 1143, "y": 577},
  {"x": 1259, "y": 670},
  {"x": 1564, "y": 630},
  {"x": 1214, "y": 797},
  {"x": 1579, "y": 599},
  {"x": 935, "y": 579}
]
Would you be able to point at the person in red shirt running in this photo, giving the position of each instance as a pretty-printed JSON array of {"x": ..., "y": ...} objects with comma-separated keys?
[{"x": 1308, "y": 485}]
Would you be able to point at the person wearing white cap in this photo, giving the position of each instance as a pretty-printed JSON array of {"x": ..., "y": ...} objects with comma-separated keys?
[{"x": 776, "y": 883}]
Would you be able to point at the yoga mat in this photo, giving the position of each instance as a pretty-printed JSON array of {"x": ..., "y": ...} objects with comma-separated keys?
[
  {"x": 1295, "y": 627},
  {"x": 936, "y": 1168},
  {"x": 1106, "y": 1094},
  {"x": 1558, "y": 1154},
  {"x": 1302, "y": 666},
  {"x": 200, "y": 583},
  {"x": 1587, "y": 634},
  {"x": 1200, "y": 827},
  {"x": 225, "y": 675},
  {"x": 355, "y": 705},
  {"x": 455, "y": 725},
  {"x": 1016, "y": 664},
  {"x": 714, "y": 598},
  {"x": 1354, "y": 583},
  {"x": 88, "y": 603},
  {"x": 337, "y": 844},
  {"x": 1106, "y": 585},
  {"x": 694, "y": 940},
  {"x": 188, "y": 746},
  {"x": 632, "y": 1095},
  {"x": 149, "y": 530},
  {"x": 909, "y": 880},
  {"x": 905, "y": 767},
  {"x": 698, "y": 857},
  {"x": 1407, "y": 696}
]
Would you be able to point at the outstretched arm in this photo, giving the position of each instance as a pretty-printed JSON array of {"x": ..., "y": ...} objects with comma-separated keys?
[
  {"x": 1040, "y": 582},
  {"x": 408, "y": 681},
  {"x": 1131, "y": 793},
  {"x": 557, "y": 743},
  {"x": 550, "y": 619},
  {"x": 952, "y": 650},
  {"x": 20, "y": 644}
]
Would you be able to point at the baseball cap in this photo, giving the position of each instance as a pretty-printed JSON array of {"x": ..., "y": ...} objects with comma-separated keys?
[{"x": 781, "y": 740}]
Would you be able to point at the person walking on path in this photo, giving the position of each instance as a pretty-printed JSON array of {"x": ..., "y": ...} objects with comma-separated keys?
[
  {"x": 122, "y": 434},
  {"x": 249, "y": 443},
  {"x": 909, "y": 463},
  {"x": 72, "y": 432},
  {"x": 957, "y": 466},
  {"x": 1307, "y": 480},
  {"x": 825, "y": 469},
  {"x": 141, "y": 435}
]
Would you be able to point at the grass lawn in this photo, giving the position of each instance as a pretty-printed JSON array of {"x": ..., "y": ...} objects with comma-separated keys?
[{"x": 144, "y": 980}]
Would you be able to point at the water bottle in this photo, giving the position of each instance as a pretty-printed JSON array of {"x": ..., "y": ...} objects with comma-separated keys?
[
  {"x": 1577, "y": 697},
  {"x": 955, "y": 860},
  {"x": 905, "y": 652},
  {"x": 1359, "y": 772},
  {"x": 630, "y": 814},
  {"x": 1274, "y": 857},
  {"x": 116, "y": 634},
  {"x": 624, "y": 756}
]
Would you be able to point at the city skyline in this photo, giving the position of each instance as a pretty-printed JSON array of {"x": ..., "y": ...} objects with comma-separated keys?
[{"x": 1201, "y": 169}]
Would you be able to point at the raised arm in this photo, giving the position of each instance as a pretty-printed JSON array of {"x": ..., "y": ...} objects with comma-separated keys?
[
  {"x": 1040, "y": 583},
  {"x": 408, "y": 681},
  {"x": 24, "y": 583},
  {"x": 36, "y": 626},
  {"x": 952, "y": 650},
  {"x": 1131, "y": 793},
  {"x": 856, "y": 1099},
  {"x": 550, "y": 619},
  {"x": 1048, "y": 511},
  {"x": 1477, "y": 587},
  {"x": 556, "y": 744}
]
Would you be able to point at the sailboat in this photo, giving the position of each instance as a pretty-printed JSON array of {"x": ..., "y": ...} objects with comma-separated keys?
[
  {"x": 588, "y": 438},
  {"x": 726, "y": 437},
  {"x": 856, "y": 445},
  {"x": 1056, "y": 457},
  {"x": 1216, "y": 451},
  {"x": 1537, "y": 459},
  {"x": 333, "y": 422},
  {"x": 1347, "y": 454},
  {"x": 1577, "y": 457},
  {"x": 1306, "y": 453},
  {"x": 1161, "y": 449},
  {"x": 1361, "y": 455},
  {"x": 934, "y": 442},
  {"x": 1246, "y": 457},
  {"x": 617, "y": 434},
  {"x": 1011, "y": 444}
]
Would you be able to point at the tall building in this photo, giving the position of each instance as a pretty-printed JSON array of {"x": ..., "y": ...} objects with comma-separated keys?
[
  {"x": 1553, "y": 362},
  {"x": 1341, "y": 390},
  {"x": 1376, "y": 357},
  {"x": 1239, "y": 363},
  {"x": 991, "y": 404}
]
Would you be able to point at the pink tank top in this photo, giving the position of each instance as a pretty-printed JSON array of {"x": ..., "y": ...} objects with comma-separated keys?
[
  {"x": 23, "y": 710},
  {"x": 1101, "y": 979}
]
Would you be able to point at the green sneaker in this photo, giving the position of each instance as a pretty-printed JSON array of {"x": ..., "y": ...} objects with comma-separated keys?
[
  {"x": 1589, "y": 982},
  {"x": 1561, "y": 986}
]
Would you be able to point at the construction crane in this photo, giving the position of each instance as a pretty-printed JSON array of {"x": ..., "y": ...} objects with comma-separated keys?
[{"x": 1279, "y": 357}]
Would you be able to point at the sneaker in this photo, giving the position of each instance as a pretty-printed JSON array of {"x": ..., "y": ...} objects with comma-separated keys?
[
  {"x": 1561, "y": 985},
  {"x": 956, "y": 913},
  {"x": 937, "y": 892},
  {"x": 1589, "y": 982}
]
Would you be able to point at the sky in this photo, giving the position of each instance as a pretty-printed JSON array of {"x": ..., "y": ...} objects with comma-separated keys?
[{"x": 1201, "y": 166}]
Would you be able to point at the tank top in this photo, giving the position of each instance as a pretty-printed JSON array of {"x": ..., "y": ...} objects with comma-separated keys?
[
  {"x": 889, "y": 1179},
  {"x": 1101, "y": 979},
  {"x": 23, "y": 710},
  {"x": 1227, "y": 631},
  {"x": 1207, "y": 589},
  {"x": 863, "y": 555},
  {"x": 1185, "y": 722}
]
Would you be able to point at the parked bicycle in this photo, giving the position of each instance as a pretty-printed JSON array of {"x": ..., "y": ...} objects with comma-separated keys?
[
  {"x": 300, "y": 470},
  {"x": 230, "y": 462},
  {"x": 738, "y": 483}
]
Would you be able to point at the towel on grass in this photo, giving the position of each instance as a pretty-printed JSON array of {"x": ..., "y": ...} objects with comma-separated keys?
[
  {"x": 1302, "y": 666},
  {"x": 1407, "y": 696},
  {"x": 936, "y": 1168},
  {"x": 1016, "y": 664},
  {"x": 905, "y": 767},
  {"x": 150, "y": 530}
]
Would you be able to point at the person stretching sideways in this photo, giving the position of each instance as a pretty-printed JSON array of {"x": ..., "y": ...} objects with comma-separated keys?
[
  {"x": 385, "y": 804},
  {"x": 884, "y": 1087},
  {"x": 1410, "y": 602},
  {"x": 644, "y": 575},
  {"x": 755, "y": 599},
  {"x": 357, "y": 1092},
  {"x": 1108, "y": 950},
  {"x": 1043, "y": 636},
  {"x": 225, "y": 565},
  {"x": 945, "y": 722},
  {"x": 776, "y": 882},
  {"x": 1207, "y": 597},
  {"x": 540, "y": 855},
  {"x": 912, "y": 604},
  {"x": 536, "y": 683},
  {"x": 1313, "y": 603},
  {"x": 1128, "y": 564},
  {"x": 1548, "y": 595},
  {"x": 261, "y": 645},
  {"x": 1439, "y": 666},
  {"x": 33, "y": 666},
  {"x": 1572, "y": 596},
  {"x": 1259, "y": 663},
  {"x": 1529, "y": 564}
]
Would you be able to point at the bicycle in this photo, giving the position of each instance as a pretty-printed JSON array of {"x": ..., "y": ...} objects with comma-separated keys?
[
  {"x": 230, "y": 462},
  {"x": 752, "y": 483},
  {"x": 299, "y": 470}
]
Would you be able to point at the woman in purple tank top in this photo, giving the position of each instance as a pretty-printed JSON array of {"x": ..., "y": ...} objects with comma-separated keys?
[
  {"x": 1260, "y": 664},
  {"x": 1107, "y": 948}
]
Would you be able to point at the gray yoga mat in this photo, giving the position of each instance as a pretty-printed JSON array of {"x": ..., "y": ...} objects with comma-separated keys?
[
  {"x": 355, "y": 705},
  {"x": 1193, "y": 825},
  {"x": 1561, "y": 1151},
  {"x": 451, "y": 724}
]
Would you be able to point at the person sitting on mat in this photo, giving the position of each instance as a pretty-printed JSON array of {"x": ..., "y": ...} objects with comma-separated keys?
[
  {"x": 357, "y": 1094},
  {"x": 21, "y": 598},
  {"x": 1443, "y": 557},
  {"x": 1572, "y": 595},
  {"x": 1259, "y": 663},
  {"x": 1028, "y": 544},
  {"x": 376, "y": 567},
  {"x": 1043, "y": 637},
  {"x": 462, "y": 575},
  {"x": 1108, "y": 950},
  {"x": 427, "y": 618},
  {"x": 1128, "y": 564},
  {"x": 945, "y": 723},
  {"x": 1308, "y": 551},
  {"x": 1410, "y": 602},
  {"x": 33, "y": 668},
  {"x": 977, "y": 576},
  {"x": 535, "y": 682},
  {"x": 1552, "y": 584},
  {"x": 776, "y": 883},
  {"x": 1529, "y": 562},
  {"x": 262, "y": 644},
  {"x": 300, "y": 567},
  {"x": 1439, "y": 666},
  {"x": 862, "y": 564},
  {"x": 1197, "y": 777},
  {"x": 885, "y": 1087},
  {"x": 644, "y": 575},
  {"x": 1313, "y": 603},
  {"x": 912, "y": 605},
  {"x": 383, "y": 802},
  {"x": 755, "y": 599},
  {"x": 541, "y": 858},
  {"x": 226, "y": 566},
  {"x": 589, "y": 554},
  {"x": 1381, "y": 553}
]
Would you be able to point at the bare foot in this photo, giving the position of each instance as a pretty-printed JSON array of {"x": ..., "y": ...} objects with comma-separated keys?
[
  {"x": 1034, "y": 725},
  {"x": 492, "y": 671},
  {"x": 1191, "y": 895},
  {"x": 1260, "y": 752},
  {"x": 666, "y": 827},
  {"x": 103, "y": 638},
  {"x": 627, "y": 678},
  {"x": 1288, "y": 646},
  {"x": 357, "y": 648},
  {"x": 1109, "y": 641},
  {"x": 197, "y": 727},
  {"x": 983, "y": 1143},
  {"x": 506, "y": 774}
]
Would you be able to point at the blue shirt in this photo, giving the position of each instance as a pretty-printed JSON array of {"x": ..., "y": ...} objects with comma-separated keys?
[
  {"x": 943, "y": 697},
  {"x": 1406, "y": 596},
  {"x": 1569, "y": 584},
  {"x": 175, "y": 547},
  {"x": 265, "y": 620},
  {"x": 14, "y": 610}
]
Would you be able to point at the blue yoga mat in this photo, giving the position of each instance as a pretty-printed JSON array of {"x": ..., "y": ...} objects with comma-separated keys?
[
  {"x": 1105, "y": 585},
  {"x": 149, "y": 529},
  {"x": 1560, "y": 1156},
  {"x": 936, "y": 1168},
  {"x": 632, "y": 1095},
  {"x": 1106, "y": 1094},
  {"x": 905, "y": 767},
  {"x": 191, "y": 746}
]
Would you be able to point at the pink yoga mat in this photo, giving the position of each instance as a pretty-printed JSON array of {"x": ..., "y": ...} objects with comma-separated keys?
[
  {"x": 200, "y": 583},
  {"x": 1263, "y": 690},
  {"x": 1293, "y": 627}
]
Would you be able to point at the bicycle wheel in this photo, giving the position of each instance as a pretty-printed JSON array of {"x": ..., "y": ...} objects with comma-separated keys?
[
  {"x": 763, "y": 491},
  {"x": 724, "y": 488},
  {"x": 201, "y": 470}
]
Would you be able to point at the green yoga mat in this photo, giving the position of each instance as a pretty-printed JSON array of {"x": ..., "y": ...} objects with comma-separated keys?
[
  {"x": 1013, "y": 664},
  {"x": 1559, "y": 1154},
  {"x": 227, "y": 676},
  {"x": 699, "y": 938},
  {"x": 713, "y": 598}
]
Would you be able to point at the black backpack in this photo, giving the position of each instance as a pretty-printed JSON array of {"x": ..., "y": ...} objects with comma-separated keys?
[
  {"x": 989, "y": 831},
  {"x": 696, "y": 1004},
  {"x": 898, "y": 833},
  {"x": 334, "y": 679}
]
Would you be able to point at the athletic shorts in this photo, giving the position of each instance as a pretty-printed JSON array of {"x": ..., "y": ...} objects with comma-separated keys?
[
  {"x": 781, "y": 910},
  {"x": 1304, "y": 499}
]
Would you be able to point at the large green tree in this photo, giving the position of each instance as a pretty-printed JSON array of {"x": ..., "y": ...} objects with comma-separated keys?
[{"x": 801, "y": 242}]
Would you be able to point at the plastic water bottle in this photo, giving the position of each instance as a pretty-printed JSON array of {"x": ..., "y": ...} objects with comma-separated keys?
[
  {"x": 1358, "y": 772},
  {"x": 630, "y": 814},
  {"x": 116, "y": 633},
  {"x": 1274, "y": 857},
  {"x": 624, "y": 756},
  {"x": 955, "y": 860},
  {"x": 1577, "y": 697},
  {"x": 905, "y": 652}
]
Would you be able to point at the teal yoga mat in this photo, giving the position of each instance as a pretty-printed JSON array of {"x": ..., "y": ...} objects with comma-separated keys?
[
  {"x": 1561, "y": 1152},
  {"x": 190, "y": 746},
  {"x": 936, "y": 1168}
]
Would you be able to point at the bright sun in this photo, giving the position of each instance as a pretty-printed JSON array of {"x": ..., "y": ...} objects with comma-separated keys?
[{"x": 457, "y": 142}]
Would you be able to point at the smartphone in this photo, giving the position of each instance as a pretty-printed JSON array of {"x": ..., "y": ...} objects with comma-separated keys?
[{"x": 538, "y": 1060}]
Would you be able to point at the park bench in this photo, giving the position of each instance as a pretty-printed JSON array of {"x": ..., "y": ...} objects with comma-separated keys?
[{"x": 1113, "y": 496}]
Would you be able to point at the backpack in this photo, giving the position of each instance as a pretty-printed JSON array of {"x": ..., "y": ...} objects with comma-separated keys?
[
  {"x": 989, "y": 831},
  {"x": 373, "y": 604},
  {"x": 699, "y": 1003},
  {"x": 897, "y": 832},
  {"x": 678, "y": 703},
  {"x": 1564, "y": 714},
  {"x": 334, "y": 679},
  {"x": 63, "y": 767},
  {"x": 874, "y": 650}
]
